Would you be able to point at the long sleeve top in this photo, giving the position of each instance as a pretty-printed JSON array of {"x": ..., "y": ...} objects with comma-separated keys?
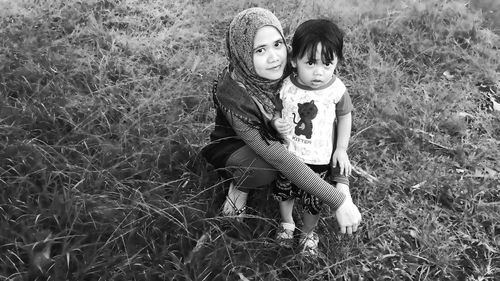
[{"x": 295, "y": 170}]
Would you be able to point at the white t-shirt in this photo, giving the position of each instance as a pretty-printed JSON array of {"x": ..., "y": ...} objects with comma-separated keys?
[{"x": 312, "y": 112}]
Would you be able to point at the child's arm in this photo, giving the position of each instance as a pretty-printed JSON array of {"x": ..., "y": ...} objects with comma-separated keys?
[{"x": 343, "y": 135}]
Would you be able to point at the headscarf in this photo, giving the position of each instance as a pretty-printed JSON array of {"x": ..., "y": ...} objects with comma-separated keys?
[{"x": 239, "y": 41}]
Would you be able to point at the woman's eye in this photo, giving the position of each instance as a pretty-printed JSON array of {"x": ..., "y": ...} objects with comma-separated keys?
[
  {"x": 259, "y": 51},
  {"x": 278, "y": 43}
]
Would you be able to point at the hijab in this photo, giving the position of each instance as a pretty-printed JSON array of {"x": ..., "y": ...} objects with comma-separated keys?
[{"x": 239, "y": 41}]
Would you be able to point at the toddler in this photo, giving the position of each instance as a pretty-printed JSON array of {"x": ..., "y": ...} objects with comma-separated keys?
[{"x": 315, "y": 122}]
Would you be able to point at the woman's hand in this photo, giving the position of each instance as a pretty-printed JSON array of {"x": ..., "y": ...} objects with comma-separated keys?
[
  {"x": 348, "y": 216},
  {"x": 340, "y": 157}
]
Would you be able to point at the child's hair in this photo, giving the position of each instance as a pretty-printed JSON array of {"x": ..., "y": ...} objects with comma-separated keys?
[{"x": 311, "y": 32}]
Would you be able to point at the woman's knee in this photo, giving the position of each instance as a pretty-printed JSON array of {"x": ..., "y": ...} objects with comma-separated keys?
[
  {"x": 252, "y": 177},
  {"x": 263, "y": 177},
  {"x": 250, "y": 170}
]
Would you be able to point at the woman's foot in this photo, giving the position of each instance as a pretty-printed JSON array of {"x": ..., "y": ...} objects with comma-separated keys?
[{"x": 235, "y": 204}]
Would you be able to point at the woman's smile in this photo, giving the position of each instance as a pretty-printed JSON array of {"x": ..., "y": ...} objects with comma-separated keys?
[{"x": 275, "y": 68}]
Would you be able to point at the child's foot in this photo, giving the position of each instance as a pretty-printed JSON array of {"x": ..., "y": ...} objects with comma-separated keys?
[
  {"x": 284, "y": 234},
  {"x": 309, "y": 243}
]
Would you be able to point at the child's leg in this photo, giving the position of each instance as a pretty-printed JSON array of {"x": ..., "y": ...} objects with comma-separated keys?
[
  {"x": 309, "y": 240},
  {"x": 310, "y": 222},
  {"x": 283, "y": 193},
  {"x": 311, "y": 204},
  {"x": 286, "y": 211},
  {"x": 312, "y": 208}
]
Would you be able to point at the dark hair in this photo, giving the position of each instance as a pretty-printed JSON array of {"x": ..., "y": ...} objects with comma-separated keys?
[{"x": 311, "y": 32}]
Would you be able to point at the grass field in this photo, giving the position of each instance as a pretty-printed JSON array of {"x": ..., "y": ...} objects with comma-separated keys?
[{"x": 105, "y": 105}]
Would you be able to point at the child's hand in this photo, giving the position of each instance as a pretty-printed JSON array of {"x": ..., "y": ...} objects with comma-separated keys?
[
  {"x": 340, "y": 157},
  {"x": 283, "y": 127}
]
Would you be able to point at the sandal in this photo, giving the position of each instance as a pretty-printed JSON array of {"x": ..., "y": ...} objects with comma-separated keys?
[
  {"x": 309, "y": 244},
  {"x": 284, "y": 234},
  {"x": 236, "y": 212},
  {"x": 234, "y": 196}
]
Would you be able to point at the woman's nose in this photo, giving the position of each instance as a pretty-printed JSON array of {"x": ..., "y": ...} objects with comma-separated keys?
[{"x": 273, "y": 56}]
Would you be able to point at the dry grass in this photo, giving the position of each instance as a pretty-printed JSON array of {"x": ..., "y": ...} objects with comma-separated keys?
[{"x": 105, "y": 105}]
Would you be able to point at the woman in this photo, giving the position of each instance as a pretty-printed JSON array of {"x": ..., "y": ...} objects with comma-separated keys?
[{"x": 243, "y": 143}]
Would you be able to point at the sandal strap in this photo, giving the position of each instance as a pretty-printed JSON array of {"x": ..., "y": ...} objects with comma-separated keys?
[
  {"x": 240, "y": 211},
  {"x": 288, "y": 226},
  {"x": 237, "y": 211}
]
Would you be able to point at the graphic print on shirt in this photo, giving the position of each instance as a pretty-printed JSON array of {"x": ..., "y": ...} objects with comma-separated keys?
[{"x": 307, "y": 112}]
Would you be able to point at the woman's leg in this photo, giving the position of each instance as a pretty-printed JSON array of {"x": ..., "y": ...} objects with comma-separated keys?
[{"x": 249, "y": 171}]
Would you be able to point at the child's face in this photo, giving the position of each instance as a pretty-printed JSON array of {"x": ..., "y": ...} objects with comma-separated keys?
[
  {"x": 314, "y": 73},
  {"x": 269, "y": 53}
]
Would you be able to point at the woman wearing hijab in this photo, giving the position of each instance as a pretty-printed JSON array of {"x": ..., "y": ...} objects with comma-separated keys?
[{"x": 243, "y": 144}]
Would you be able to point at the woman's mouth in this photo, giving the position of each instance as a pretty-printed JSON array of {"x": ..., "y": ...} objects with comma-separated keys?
[{"x": 275, "y": 68}]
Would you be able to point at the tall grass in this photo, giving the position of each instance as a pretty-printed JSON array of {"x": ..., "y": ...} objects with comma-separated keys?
[{"x": 105, "y": 105}]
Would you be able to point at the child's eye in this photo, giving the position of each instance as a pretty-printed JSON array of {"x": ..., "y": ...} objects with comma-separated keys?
[
  {"x": 310, "y": 63},
  {"x": 330, "y": 63}
]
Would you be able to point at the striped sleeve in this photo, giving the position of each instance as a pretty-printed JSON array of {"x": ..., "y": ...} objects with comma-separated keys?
[{"x": 295, "y": 170}]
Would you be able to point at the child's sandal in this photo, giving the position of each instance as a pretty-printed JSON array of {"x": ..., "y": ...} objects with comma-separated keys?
[{"x": 284, "y": 234}]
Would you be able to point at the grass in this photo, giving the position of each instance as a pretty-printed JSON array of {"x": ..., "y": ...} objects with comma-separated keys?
[{"x": 105, "y": 105}]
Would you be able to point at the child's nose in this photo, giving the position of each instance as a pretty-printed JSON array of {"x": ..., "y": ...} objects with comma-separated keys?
[{"x": 318, "y": 71}]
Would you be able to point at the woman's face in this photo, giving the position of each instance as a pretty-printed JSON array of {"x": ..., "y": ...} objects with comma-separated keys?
[{"x": 269, "y": 53}]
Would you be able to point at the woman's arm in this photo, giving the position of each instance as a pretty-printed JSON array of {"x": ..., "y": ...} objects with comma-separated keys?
[{"x": 295, "y": 170}]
